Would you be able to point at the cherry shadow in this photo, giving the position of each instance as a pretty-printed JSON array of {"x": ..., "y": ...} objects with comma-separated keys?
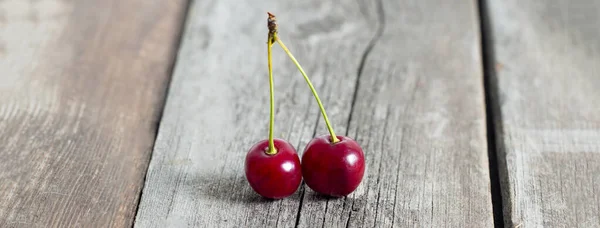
[
  {"x": 234, "y": 189},
  {"x": 312, "y": 196}
]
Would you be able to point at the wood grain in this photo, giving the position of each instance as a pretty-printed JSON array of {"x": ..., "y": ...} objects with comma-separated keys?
[
  {"x": 217, "y": 106},
  {"x": 81, "y": 91},
  {"x": 419, "y": 115},
  {"x": 547, "y": 102},
  {"x": 418, "y": 111}
]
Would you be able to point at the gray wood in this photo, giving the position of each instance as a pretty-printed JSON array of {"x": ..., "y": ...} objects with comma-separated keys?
[
  {"x": 547, "y": 105},
  {"x": 419, "y": 113},
  {"x": 217, "y": 106},
  {"x": 81, "y": 88}
]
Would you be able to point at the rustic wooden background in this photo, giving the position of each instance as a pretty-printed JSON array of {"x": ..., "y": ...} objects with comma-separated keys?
[{"x": 121, "y": 113}]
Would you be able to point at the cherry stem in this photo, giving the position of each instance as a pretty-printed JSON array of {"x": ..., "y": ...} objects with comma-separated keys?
[
  {"x": 272, "y": 25},
  {"x": 272, "y": 149},
  {"x": 334, "y": 138}
]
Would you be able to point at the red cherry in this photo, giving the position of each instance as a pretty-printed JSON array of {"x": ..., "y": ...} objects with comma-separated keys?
[
  {"x": 334, "y": 169},
  {"x": 273, "y": 176}
]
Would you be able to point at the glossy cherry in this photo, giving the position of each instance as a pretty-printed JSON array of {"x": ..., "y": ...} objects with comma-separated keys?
[
  {"x": 272, "y": 166},
  {"x": 273, "y": 176},
  {"x": 334, "y": 169}
]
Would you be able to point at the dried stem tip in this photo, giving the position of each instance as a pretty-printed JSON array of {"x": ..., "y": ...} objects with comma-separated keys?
[{"x": 272, "y": 24}]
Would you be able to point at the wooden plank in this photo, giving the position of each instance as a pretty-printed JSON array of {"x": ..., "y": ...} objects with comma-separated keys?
[
  {"x": 427, "y": 89},
  {"x": 547, "y": 103},
  {"x": 81, "y": 90},
  {"x": 419, "y": 115},
  {"x": 217, "y": 106}
]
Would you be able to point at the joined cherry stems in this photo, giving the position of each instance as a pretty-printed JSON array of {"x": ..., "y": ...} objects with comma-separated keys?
[{"x": 274, "y": 38}]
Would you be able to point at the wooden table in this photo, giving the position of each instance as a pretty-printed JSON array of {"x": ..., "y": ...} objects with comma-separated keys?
[{"x": 117, "y": 113}]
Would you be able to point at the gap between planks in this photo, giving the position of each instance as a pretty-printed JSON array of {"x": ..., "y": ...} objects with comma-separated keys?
[
  {"x": 161, "y": 108},
  {"x": 491, "y": 110}
]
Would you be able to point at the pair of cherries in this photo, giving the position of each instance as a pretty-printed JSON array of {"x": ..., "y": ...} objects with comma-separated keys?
[{"x": 331, "y": 165}]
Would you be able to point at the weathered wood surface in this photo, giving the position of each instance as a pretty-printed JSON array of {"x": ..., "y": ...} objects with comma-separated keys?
[
  {"x": 82, "y": 84},
  {"x": 420, "y": 115},
  {"x": 418, "y": 111},
  {"x": 547, "y": 82}
]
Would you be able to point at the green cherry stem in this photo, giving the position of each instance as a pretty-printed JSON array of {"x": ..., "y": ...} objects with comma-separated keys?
[
  {"x": 334, "y": 138},
  {"x": 272, "y": 25},
  {"x": 272, "y": 149}
]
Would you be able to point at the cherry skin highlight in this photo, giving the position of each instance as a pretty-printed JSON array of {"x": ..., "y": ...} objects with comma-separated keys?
[
  {"x": 273, "y": 176},
  {"x": 333, "y": 169}
]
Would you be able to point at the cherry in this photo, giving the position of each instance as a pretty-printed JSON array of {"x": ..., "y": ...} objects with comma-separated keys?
[
  {"x": 331, "y": 165},
  {"x": 334, "y": 169},
  {"x": 272, "y": 166},
  {"x": 276, "y": 175}
]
